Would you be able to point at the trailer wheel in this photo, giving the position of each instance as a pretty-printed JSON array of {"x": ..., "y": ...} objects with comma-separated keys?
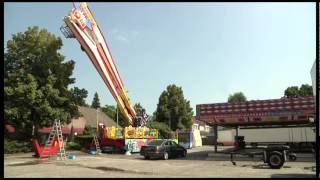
[
  {"x": 292, "y": 157},
  {"x": 275, "y": 160}
]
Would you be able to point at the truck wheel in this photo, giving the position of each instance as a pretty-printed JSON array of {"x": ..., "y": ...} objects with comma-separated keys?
[
  {"x": 275, "y": 160},
  {"x": 165, "y": 156}
]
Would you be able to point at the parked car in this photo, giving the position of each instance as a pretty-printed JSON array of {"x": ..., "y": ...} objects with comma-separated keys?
[{"x": 163, "y": 149}]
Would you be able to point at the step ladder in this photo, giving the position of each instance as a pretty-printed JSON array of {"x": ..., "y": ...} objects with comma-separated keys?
[
  {"x": 96, "y": 143},
  {"x": 62, "y": 152},
  {"x": 56, "y": 131}
]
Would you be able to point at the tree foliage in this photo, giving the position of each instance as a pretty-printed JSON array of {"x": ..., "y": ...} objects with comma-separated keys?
[
  {"x": 173, "y": 109},
  {"x": 292, "y": 91},
  {"x": 137, "y": 107},
  {"x": 89, "y": 131},
  {"x": 140, "y": 111},
  {"x": 163, "y": 129},
  {"x": 237, "y": 97},
  {"x": 96, "y": 101},
  {"x": 305, "y": 90},
  {"x": 79, "y": 96},
  {"x": 36, "y": 78},
  {"x": 295, "y": 91},
  {"x": 111, "y": 111}
]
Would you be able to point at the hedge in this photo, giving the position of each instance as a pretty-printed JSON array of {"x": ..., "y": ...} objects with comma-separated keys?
[{"x": 14, "y": 146}]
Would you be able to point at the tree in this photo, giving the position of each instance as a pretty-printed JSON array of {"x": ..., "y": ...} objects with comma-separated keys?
[
  {"x": 295, "y": 91},
  {"x": 237, "y": 97},
  {"x": 78, "y": 96},
  {"x": 96, "y": 102},
  {"x": 138, "y": 109},
  {"x": 292, "y": 91},
  {"x": 163, "y": 129},
  {"x": 173, "y": 109},
  {"x": 36, "y": 80},
  {"x": 89, "y": 131},
  {"x": 305, "y": 90},
  {"x": 111, "y": 111}
]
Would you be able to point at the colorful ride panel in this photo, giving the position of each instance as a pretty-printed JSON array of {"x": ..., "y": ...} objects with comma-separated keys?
[{"x": 130, "y": 133}]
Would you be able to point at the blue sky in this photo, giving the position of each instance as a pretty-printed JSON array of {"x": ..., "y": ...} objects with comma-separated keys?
[{"x": 211, "y": 50}]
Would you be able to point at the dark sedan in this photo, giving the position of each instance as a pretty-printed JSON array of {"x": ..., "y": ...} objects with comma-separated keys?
[{"x": 162, "y": 149}]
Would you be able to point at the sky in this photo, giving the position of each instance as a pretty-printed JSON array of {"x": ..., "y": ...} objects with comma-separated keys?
[{"x": 211, "y": 50}]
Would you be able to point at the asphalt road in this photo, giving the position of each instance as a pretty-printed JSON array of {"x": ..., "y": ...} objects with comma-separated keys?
[{"x": 198, "y": 163}]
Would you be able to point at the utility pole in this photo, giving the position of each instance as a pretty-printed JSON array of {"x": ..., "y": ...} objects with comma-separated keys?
[
  {"x": 97, "y": 120},
  {"x": 170, "y": 120},
  {"x": 117, "y": 116}
]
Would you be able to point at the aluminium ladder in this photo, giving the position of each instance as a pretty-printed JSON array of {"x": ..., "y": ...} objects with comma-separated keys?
[
  {"x": 96, "y": 143},
  {"x": 55, "y": 131}
]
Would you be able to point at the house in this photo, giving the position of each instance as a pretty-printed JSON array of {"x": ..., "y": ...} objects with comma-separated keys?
[
  {"x": 206, "y": 131},
  {"x": 90, "y": 117}
]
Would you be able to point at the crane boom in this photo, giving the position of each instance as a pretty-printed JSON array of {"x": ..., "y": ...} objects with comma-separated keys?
[{"x": 81, "y": 24}]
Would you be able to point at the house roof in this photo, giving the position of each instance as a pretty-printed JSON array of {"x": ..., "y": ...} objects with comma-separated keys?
[
  {"x": 91, "y": 117},
  {"x": 65, "y": 130},
  {"x": 78, "y": 124}
]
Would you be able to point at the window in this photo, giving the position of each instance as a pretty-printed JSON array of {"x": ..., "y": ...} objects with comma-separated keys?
[
  {"x": 195, "y": 126},
  {"x": 201, "y": 128},
  {"x": 156, "y": 142}
]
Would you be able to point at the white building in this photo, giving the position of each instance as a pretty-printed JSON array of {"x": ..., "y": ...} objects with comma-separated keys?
[
  {"x": 314, "y": 83},
  {"x": 314, "y": 77}
]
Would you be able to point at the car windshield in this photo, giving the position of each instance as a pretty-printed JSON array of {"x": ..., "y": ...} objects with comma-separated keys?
[{"x": 156, "y": 142}]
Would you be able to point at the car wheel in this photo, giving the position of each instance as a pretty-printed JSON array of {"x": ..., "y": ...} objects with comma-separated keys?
[
  {"x": 184, "y": 153},
  {"x": 146, "y": 157},
  {"x": 275, "y": 160},
  {"x": 165, "y": 156}
]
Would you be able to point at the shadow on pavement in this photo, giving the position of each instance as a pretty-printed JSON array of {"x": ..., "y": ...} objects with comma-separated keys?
[{"x": 293, "y": 176}]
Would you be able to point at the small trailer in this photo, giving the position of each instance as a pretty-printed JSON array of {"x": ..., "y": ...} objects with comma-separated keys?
[{"x": 274, "y": 156}]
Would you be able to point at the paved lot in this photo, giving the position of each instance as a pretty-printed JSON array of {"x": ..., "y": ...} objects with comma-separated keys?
[{"x": 200, "y": 162}]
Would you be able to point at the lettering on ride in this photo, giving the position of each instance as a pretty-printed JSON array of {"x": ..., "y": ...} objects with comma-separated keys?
[
  {"x": 86, "y": 19},
  {"x": 78, "y": 17},
  {"x": 90, "y": 21}
]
